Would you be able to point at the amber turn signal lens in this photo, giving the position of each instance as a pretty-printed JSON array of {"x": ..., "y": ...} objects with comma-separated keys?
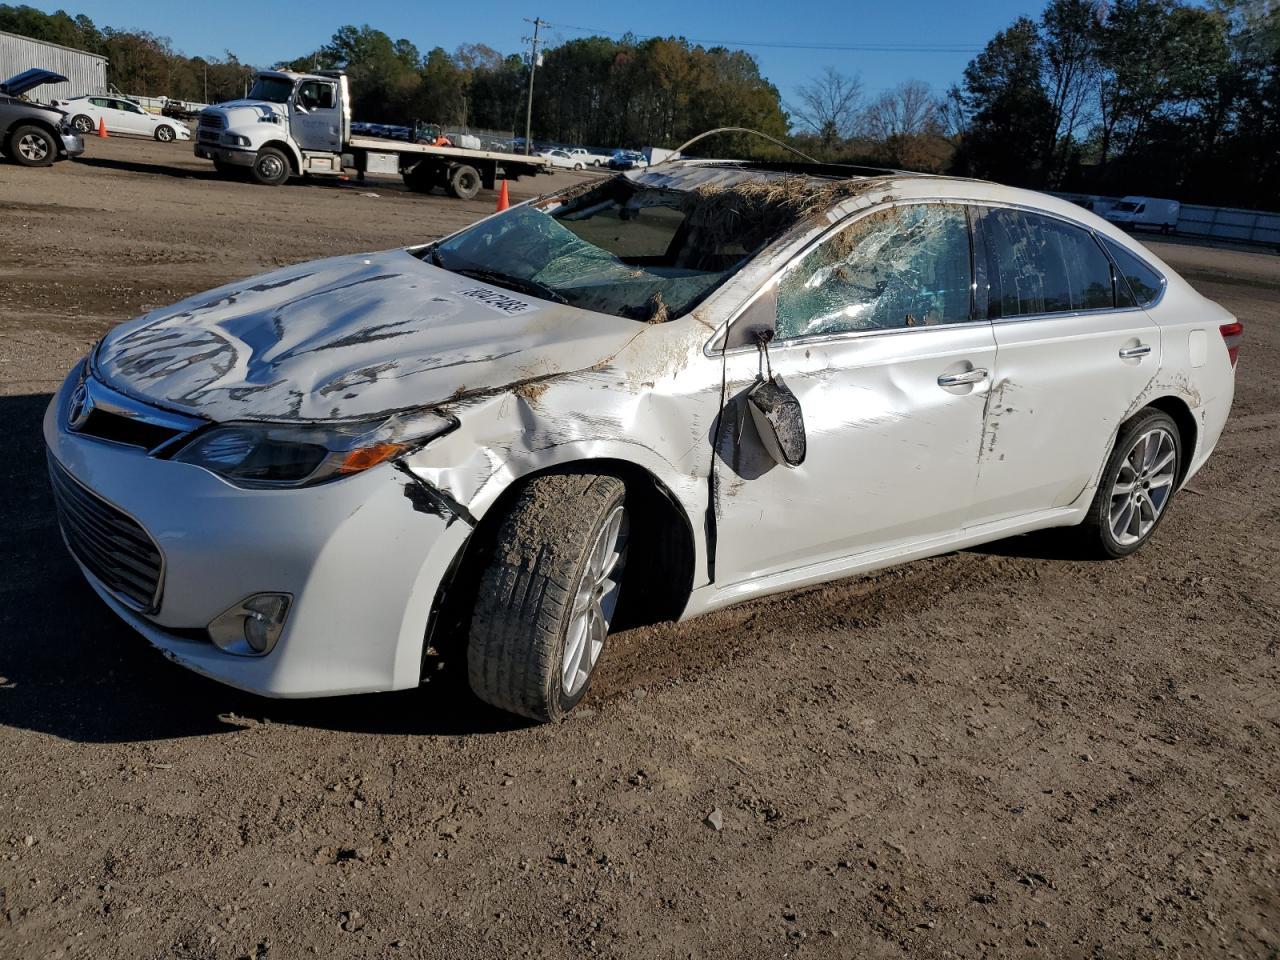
[{"x": 366, "y": 457}]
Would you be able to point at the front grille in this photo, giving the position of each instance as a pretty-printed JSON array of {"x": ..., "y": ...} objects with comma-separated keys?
[
  {"x": 111, "y": 544},
  {"x": 208, "y": 136},
  {"x": 212, "y": 121}
]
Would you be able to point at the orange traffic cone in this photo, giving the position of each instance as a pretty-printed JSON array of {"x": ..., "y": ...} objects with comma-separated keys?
[
  {"x": 102, "y": 128},
  {"x": 504, "y": 201}
]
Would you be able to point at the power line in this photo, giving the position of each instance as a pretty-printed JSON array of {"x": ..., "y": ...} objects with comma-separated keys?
[{"x": 885, "y": 47}]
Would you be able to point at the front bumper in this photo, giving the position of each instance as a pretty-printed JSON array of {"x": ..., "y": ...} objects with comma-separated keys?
[
  {"x": 233, "y": 155},
  {"x": 362, "y": 563},
  {"x": 72, "y": 144}
]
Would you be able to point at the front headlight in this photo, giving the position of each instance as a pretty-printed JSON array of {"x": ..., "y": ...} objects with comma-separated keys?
[{"x": 258, "y": 455}]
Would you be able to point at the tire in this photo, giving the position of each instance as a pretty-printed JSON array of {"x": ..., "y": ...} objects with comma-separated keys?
[
  {"x": 83, "y": 124},
  {"x": 1152, "y": 484},
  {"x": 421, "y": 179},
  {"x": 31, "y": 146},
  {"x": 578, "y": 166},
  {"x": 165, "y": 133},
  {"x": 542, "y": 597},
  {"x": 270, "y": 167},
  {"x": 464, "y": 182}
]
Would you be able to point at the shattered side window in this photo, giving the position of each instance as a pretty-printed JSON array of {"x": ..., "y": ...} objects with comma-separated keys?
[
  {"x": 905, "y": 266},
  {"x": 1043, "y": 265}
]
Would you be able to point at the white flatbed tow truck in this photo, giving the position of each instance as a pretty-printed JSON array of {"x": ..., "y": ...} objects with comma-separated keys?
[{"x": 299, "y": 124}]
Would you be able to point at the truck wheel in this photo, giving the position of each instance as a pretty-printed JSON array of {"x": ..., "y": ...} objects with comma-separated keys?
[
  {"x": 82, "y": 123},
  {"x": 270, "y": 167},
  {"x": 547, "y": 594},
  {"x": 464, "y": 182},
  {"x": 31, "y": 147}
]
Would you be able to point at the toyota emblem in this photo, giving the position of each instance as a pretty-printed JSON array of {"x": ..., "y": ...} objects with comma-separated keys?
[{"x": 79, "y": 408}]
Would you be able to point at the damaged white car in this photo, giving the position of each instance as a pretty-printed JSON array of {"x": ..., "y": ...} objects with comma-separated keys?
[{"x": 644, "y": 398}]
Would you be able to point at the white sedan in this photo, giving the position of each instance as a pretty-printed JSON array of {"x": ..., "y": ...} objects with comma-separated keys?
[
  {"x": 562, "y": 158},
  {"x": 122, "y": 116},
  {"x": 667, "y": 393}
]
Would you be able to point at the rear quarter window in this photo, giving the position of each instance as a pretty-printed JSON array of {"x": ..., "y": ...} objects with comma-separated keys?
[{"x": 1136, "y": 283}]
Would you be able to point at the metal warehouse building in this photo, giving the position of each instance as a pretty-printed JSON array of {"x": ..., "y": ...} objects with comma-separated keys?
[{"x": 86, "y": 72}]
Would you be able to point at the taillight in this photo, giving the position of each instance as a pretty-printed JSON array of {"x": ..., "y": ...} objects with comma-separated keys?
[{"x": 1232, "y": 334}]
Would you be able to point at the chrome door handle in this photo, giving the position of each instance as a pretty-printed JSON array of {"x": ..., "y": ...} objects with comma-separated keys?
[
  {"x": 960, "y": 379},
  {"x": 1133, "y": 353}
]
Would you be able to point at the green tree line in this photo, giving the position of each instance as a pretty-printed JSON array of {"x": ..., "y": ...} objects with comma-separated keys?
[
  {"x": 1149, "y": 97},
  {"x": 1157, "y": 97}
]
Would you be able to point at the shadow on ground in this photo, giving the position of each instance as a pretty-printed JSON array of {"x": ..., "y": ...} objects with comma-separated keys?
[{"x": 72, "y": 669}]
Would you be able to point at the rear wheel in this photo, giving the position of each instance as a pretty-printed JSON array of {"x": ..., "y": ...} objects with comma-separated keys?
[
  {"x": 32, "y": 147},
  {"x": 548, "y": 593},
  {"x": 464, "y": 182},
  {"x": 1137, "y": 485},
  {"x": 165, "y": 133},
  {"x": 82, "y": 123},
  {"x": 421, "y": 179},
  {"x": 270, "y": 167}
]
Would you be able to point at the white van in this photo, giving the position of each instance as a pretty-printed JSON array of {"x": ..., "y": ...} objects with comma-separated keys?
[{"x": 1133, "y": 212}]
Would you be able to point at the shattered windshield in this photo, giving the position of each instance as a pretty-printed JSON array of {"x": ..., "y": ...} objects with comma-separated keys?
[
  {"x": 641, "y": 253},
  {"x": 271, "y": 89}
]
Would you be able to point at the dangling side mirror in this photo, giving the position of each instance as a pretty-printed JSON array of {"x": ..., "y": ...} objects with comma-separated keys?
[{"x": 776, "y": 412}]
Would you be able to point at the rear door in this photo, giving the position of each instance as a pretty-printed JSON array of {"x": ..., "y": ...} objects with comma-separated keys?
[{"x": 1070, "y": 364}]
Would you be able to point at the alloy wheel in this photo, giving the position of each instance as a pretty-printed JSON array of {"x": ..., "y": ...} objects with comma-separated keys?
[
  {"x": 594, "y": 602},
  {"x": 33, "y": 147},
  {"x": 1143, "y": 486}
]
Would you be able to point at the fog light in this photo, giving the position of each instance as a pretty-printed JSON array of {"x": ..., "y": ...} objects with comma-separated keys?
[{"x": 252, "y": 627}]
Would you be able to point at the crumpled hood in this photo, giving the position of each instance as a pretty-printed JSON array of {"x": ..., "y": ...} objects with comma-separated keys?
[{"x": 356, "y": 337}]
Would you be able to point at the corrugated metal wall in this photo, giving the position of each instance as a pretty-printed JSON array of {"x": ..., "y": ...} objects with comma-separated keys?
[{"x": 86, "y": 72}]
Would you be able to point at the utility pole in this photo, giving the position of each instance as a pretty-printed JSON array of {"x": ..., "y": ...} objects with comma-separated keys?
[{"x": 534, "y": 43}]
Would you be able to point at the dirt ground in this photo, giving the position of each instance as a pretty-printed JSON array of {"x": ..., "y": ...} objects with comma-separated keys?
[{"x": 1000, "y": 752}]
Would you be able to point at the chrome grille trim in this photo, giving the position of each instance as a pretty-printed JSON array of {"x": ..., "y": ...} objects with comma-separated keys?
[{"x": 108, "y": 542}]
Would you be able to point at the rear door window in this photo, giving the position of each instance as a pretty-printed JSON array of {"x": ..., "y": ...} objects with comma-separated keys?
[
  {"x": 905, "y": 266},
  {"x": 1042, "y": 265}
]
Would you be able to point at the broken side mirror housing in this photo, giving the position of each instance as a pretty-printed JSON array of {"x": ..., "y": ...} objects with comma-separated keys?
[{"x": 779, "y": 420}]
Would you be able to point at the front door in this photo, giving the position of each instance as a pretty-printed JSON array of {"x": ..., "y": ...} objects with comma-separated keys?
[
  {"x": 1072, "y": 360},
  {"x": 879, "y": 336},
  {"x": 316, "y": 117}
]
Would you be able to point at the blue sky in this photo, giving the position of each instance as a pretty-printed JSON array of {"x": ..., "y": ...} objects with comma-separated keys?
[{"x": 264, "y": 31}]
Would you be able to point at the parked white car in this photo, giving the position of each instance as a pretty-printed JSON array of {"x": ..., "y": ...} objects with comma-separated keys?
[
  {"x": 122, "y": 116},
  {"x": 562, "y": 158},
  {"x": 674, "y": 391}
]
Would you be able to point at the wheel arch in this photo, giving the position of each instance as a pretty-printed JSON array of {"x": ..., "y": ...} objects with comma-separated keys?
[
  {"x": 1188, "y": 430},
  {"x": 660, "y": 570},
  {"x": 40, "y": 122},
  {"x": 295, "y": 159}
]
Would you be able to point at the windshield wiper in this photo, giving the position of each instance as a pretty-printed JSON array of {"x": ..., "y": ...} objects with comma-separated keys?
[{"x": 499, "y": 279}]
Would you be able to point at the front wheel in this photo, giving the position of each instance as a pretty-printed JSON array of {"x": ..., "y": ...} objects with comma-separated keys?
[
  {"x": 548, "y": 593},
  {"x": 165, "y": 133},
  {"x": 82, "y": 123},
  {"x": 1139, "y": 481},
  {"x": 270, "y": 167},
  {"x": 32, "y": 147}
]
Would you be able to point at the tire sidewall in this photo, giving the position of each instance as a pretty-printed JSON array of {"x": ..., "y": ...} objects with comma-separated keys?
[
  {"x": 173, "y": 134},
  {"x": 565, "y": 702},
  {"x": 462, "y": 176},
  {"x": 1124, "y": 442}
]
